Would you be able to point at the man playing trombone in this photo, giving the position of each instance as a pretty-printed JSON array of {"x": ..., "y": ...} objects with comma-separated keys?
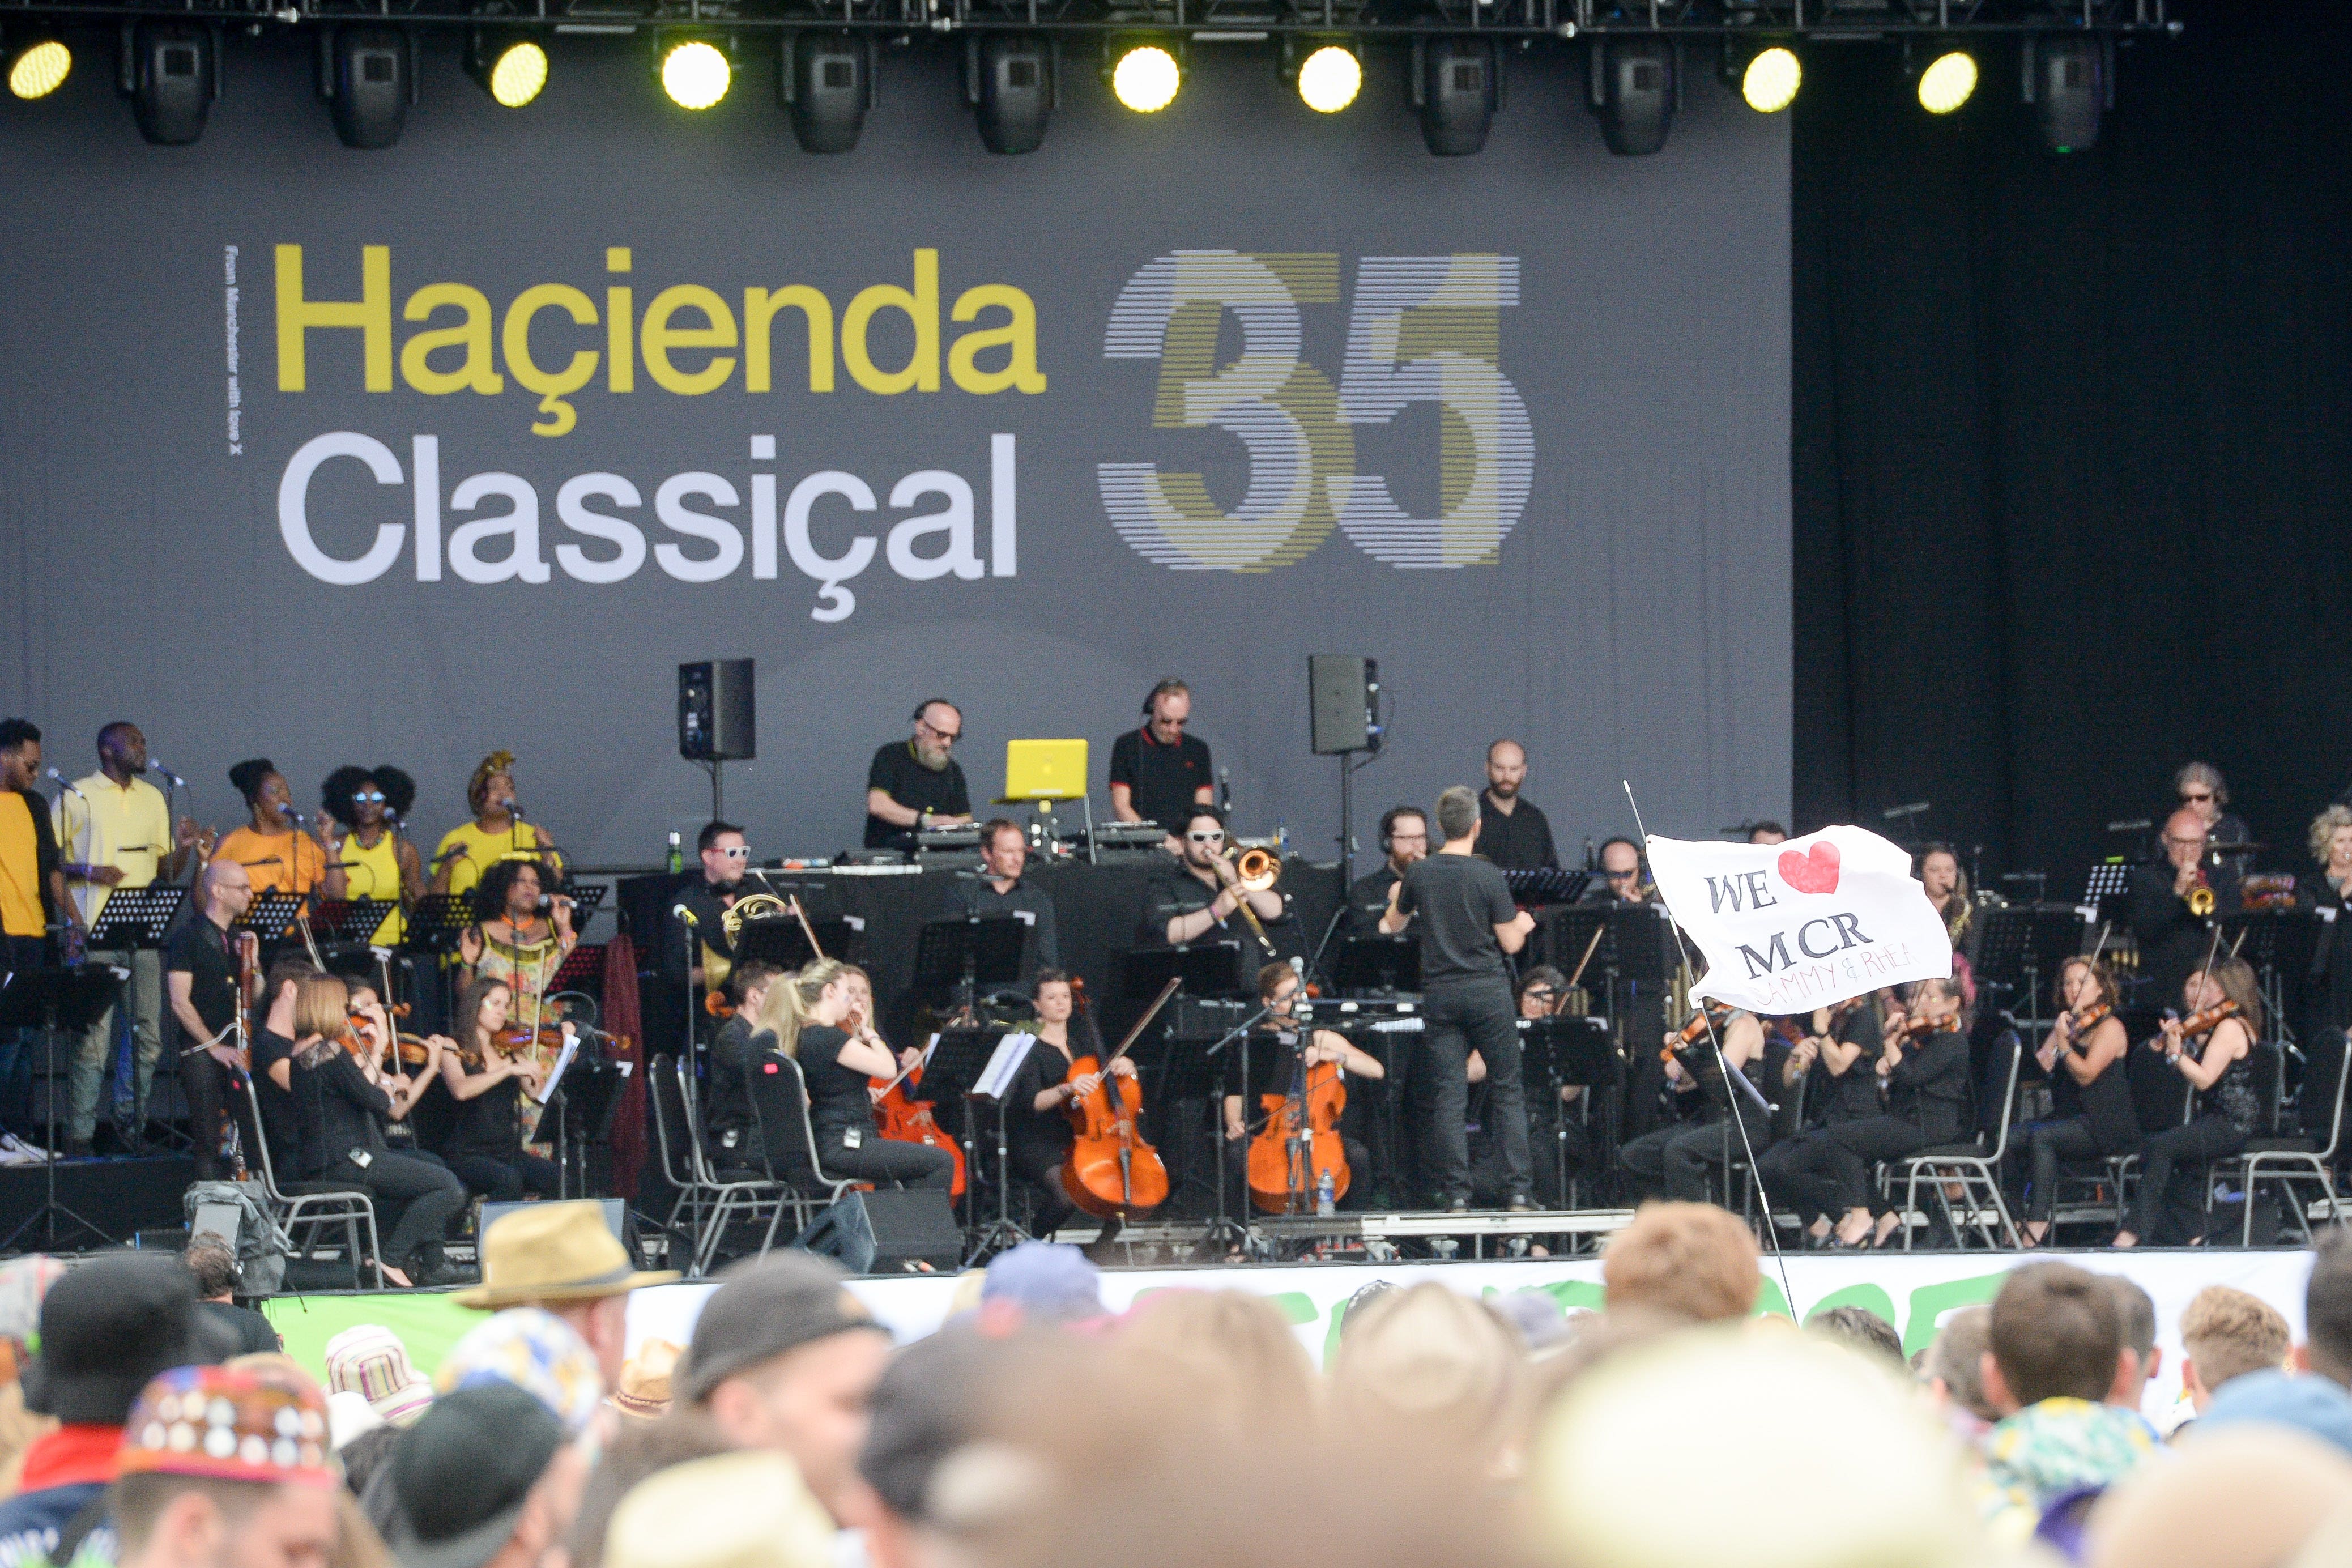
[{"x": 1204, "y": 891}]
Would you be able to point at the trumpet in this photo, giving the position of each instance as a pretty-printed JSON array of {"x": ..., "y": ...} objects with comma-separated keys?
[
  {"x": 2200, "y": 896},
  {"x": 1255, "y": 870}
]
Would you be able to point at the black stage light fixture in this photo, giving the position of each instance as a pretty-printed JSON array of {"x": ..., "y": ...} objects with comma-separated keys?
[
  {"x": 1457, "y": 86},
  {"x": 826, "y": 81},
  {"x": 2070, "y": 82},
  {"x": 171, "y": 73},
  {"x": 1636, "y": 87},
  {"x": 368, "y": 77},
  {"x": 510, "y": 65},
  {"x": 1013, "y": 84}
]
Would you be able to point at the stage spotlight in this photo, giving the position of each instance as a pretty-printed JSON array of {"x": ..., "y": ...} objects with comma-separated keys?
[
  {"x": 1329, "y": 77},
  {"x": 1947, "y": 83},
  {"x": 1769, "y": 82},
  {"x": 826, "y": 80},
  {"x": 368, "y": 77},
  {"x": 1013, "y": 84},
  {"x": 170, "y": 72},
  {"x": 2070, "y": 82},
  {"x": 511, "y": 68},
  {"x": 1634, "y": 88},
  {"x": 39, "y": 66},
  {"x": 1146, "y": 78},
  {"x": 1457, "y": 85},
  {"x": 694, "y": 72}
]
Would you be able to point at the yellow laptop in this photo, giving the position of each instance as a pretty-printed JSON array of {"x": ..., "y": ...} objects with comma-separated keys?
[{"x": 1045, "y": 769}]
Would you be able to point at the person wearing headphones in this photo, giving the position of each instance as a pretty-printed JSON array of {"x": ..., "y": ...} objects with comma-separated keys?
[
  {"x": 916, "y": 782},
  {"x": 1157, "y": 773},
  {"x": 1623, "y": 879},
  {"x": 1404, "y": 838}
]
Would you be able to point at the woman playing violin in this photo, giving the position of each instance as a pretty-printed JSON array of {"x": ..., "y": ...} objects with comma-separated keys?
[
  {"x": 1922, "y": 1072},
  {"x": 2214, "y": 1048},
  {"x": 1037, "y": 1100},
  {"x": 1836, "y": 1058},
  {"x": 813, "y": 1017},
  {"x": 488, "y": 1080},
  {"x": 369, "y": 1036},
  {"x": 272, "y": 847},
  {"x": 2083, "y": 1053},
  {"x": 1278, "y": 991},
  {"x": 359, "y": 807}
]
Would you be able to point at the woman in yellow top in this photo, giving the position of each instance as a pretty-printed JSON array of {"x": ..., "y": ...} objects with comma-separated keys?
[
  {"x": 498, "y": 832},
  {"x": 362, "y": 809},
  {"x": 273, "y": 847}
]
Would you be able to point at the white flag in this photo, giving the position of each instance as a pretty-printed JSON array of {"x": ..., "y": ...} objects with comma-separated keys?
[{"x": 1789, "y": 926}]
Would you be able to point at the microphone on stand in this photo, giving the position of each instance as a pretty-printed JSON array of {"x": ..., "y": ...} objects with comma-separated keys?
[
  {"x": 67, "y": 782},
  {"x": 1225, "y": 791},
  {"x": 155, "y": 765}
]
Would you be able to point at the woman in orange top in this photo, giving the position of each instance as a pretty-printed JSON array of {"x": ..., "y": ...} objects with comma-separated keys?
[{"x": 273, "y": 848}]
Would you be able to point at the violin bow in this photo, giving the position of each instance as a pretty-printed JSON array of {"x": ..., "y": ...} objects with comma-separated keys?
[
  {"x": 1145, "y": 1022},
  {"x": 807, "y": 930},
  {"x": 1589, "y": 949}
]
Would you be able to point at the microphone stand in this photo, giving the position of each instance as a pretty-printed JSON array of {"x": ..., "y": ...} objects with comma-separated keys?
[{"x": 1226, "y": 1227}]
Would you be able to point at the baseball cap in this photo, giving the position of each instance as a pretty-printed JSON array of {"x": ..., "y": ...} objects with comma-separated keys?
[
  {"x": 766, "y": 1307},
  {"x": 463, "y": 1473},
  {"x": 109, "y": 1327},
  {"x": 2310, "y": 1403},
  {"x": 1049, "y": 1281},
  {"x": 928, "y": 1406}
]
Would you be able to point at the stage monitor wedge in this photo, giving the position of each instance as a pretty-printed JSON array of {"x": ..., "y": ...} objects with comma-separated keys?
[{"x": 715, "y": 711}]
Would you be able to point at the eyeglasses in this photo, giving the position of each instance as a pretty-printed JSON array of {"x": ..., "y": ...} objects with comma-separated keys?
[
  {"x": 741, "y": 852},
  {"x": 368, "y": 797},
  {"x": 1538, "y": 994},
  {"x": 2184, "y": 843},
  {"x": 1624, "y": 876},
  {"x": 1206, "y": 837},
  {"x": 945, "y": 737},
  {"x": 2192, "y": 794}
]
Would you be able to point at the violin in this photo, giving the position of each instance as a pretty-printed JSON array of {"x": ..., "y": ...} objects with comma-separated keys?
[
  {"x": 1710, "y": 1018},
  {"x": 1299, "y": 1145},
  {"x": 1112, "y": 1171},
  {"x": 2200, "y": 1024},
  {"x": 1919, "y": 1026},
  {"x": 905, "y": 1120},
  {"x": 2085, "y": 1021}
]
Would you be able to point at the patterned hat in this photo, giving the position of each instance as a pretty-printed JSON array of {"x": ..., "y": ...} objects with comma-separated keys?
[
  {"x": 23, "y": 1282},
  {"x": 370, "y": 1360},
  {"x": 535, "y": 1350},
  {"x": 230, "y": 1424},
  {"x": 645, "y": 1380}
]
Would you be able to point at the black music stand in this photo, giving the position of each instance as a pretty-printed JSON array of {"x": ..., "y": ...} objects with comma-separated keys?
[
  {"x": 585, "y": 1104},
  {"x": 1547, "y": 885},
  {"x": 778, "y": 939},
  {"x": 2277, "y": 943},
  {"x": 2022, "y": 944},
  {"x": 436, "y": 923},
  {"x": 135, "y": 917},
  {"x": 584, "y": 965},
  {"x": 957, "y": 1063},
  {"x": 272, "y": 915},
  {"x": 51, "y": 1000},
  {"x": 1204, "y": 968},
  {"x": 2108, "y": 880},
  {"x": 352, "y": 920},
  {"x": 1561, "y": 1051},
  {"x": 963, "y": 953},
  {"x": 1381, "y": 964}
]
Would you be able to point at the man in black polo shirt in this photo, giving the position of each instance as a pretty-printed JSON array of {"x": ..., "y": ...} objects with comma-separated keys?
[
  {"x": 914, "y": 784},
  {"x": 1000, "y": 891},
  {"x": 1404, "y": 838},
  {"x": 1197, "y": 899},
  {"x": 200, "y": 976},
  {"x": 1515, "y": 837},
  {"x": 1468, "y": 924},
  {"x": 1157, "y": 773},
  {"x": 692, "y": 945}
]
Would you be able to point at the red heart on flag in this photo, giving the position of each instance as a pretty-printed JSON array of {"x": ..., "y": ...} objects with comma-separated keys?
[{"x": 1815, "y": 871}]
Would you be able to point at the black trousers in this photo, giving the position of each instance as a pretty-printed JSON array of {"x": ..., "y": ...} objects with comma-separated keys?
[
  {"x": 2173, "y": 1159},
  {"x": 1674, "y": 1161},
  {"x": 214, "y": 1089},
  {"x": 1860, "y": 1146},
  {"x": 20, "y": 1046},
  {"x": 1459, "y": 1019},
  {"x": 1036, "y": 1146},
  {"x": 422, "y": 1194},
  {"x": 504, "y": 1180},
  {"x": 2053, "y": 1145},
  {"x": 1800, "y": 1173},
  {"x": 884, "y": 1162}
]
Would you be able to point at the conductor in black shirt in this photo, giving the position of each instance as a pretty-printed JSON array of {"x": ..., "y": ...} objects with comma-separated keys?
[
  {"x": 916, "y": 783},
  {"x": 2173, "y": 938},
  {"x": 1468, "y": 923},
  {"x": 999, "y": 890},
  {"x": 1404, "y": 838},
  {"x": 1157, "y": 773},
  {"x": 1515, "y": 837}
]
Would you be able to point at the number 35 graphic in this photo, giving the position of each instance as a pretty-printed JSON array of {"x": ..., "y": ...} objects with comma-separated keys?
[{"x": 1423, "y": 329}]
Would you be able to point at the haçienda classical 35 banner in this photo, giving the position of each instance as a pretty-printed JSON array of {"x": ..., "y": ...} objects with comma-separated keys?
[{"x": 401, "y": 456}]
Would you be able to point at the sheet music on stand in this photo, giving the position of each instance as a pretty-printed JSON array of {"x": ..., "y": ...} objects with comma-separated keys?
[
  {"x": 1547, "y": 885},
  {"x": 271, "y": 916},
  {"x": 136, "y": 917},
  {"x": 997, "y": 1076},
  {"x": 564, "y": 1059}
]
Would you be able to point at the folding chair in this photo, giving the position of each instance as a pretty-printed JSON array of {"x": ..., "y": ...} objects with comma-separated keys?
[
  {"x": 788, "y": 1145},
  {"x": 732, "y": 1195},
  {"x": 1975, "y": 1168},
  {"x": 2289, "y": 1160},
  {"x": 307, "y": 1206}
]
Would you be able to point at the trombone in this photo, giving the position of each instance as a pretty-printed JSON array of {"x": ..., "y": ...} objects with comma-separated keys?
[{"x": 1255, "y": 870}]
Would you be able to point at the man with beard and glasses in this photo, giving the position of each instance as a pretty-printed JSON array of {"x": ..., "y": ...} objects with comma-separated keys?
[{"x": 916, "y": 783}]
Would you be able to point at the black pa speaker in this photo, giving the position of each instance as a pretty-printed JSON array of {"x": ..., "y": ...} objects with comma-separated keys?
[
  {"x": 882, "y": 1231},
  {"x": 715, "y": 711},
  {"x": 1342, "y": 689}
]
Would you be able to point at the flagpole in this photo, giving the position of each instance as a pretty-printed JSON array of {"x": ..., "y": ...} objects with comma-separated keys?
[{"x": 1731, "y": 1101}]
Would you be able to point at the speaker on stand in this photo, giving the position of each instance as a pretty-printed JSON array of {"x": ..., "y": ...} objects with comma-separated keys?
[
  {"x": 715, "y": 718},
  {"x": 1343, "y": 717}
]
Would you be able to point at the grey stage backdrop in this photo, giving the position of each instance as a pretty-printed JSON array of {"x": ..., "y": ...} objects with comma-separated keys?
[{"x": 1514, "y": 424}]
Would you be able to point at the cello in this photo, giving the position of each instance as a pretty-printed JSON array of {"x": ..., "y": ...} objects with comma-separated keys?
[
  {"x": 906, "y": 1120},
  {"x": 1299, "y": 1145},
  {"x": 1111, "y": 1172}
]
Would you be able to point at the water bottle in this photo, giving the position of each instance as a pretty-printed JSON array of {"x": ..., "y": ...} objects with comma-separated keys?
[
  {"x": 677, "y": 853},
  {"x": 1326, "y": 1204}
]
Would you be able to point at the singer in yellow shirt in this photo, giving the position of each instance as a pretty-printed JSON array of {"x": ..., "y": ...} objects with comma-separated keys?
[{"x": 498, "y": 832}]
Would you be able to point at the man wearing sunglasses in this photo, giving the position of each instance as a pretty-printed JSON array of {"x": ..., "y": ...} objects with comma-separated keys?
[
  {"x": 917, "y": 783},
  {"x": 702, "y": 948},
  {"x": 1158, "y": 771},
  {"x": 1197, "y": 898}
]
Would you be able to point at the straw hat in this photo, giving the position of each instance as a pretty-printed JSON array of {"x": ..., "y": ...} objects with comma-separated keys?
[
  {"x": 736, "y": 1510},
  {"x": 554, "y": 1252},
  {"x": 645, "y": 1380}
]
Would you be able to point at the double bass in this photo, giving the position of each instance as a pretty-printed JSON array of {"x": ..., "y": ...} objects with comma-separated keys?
[
  {"x": 1112, "y": 1171},
  {"x": 1300, "y": 1143}
]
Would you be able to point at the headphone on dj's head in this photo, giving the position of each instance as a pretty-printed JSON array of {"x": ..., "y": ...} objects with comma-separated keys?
[{"x": 1168, "y": 687}]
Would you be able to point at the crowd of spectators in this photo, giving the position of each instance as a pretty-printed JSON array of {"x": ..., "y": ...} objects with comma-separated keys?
[{"x": 1674, "y": 1427}]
